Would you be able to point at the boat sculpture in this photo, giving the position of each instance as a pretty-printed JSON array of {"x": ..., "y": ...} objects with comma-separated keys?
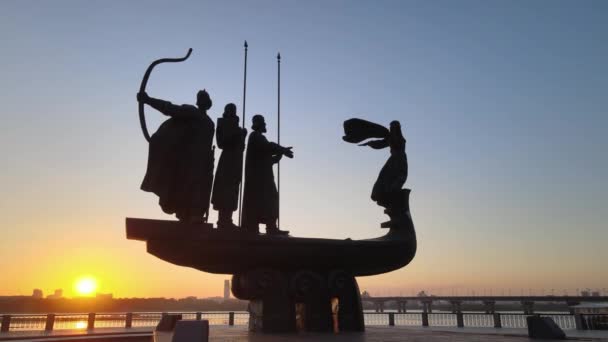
[
  {"x": 279, "y": 273},
  {"x": 282, "y": 271}
]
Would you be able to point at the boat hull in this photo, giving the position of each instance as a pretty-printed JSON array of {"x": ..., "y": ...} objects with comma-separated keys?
[{"x": 201, "y": 247}]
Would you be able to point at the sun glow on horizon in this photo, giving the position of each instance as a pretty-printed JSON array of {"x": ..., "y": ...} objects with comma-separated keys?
[{"x": 85, "y": 286}]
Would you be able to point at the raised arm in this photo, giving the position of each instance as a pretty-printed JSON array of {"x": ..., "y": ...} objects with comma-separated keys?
[
  {"x": 262, "y": 145},
  {"x": 168, "y": 108}
]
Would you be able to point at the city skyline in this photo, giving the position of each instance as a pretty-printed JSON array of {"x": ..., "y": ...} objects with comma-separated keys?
[
  {"x": 388, "y": 292},
  {"x": 503, "y": 108}
]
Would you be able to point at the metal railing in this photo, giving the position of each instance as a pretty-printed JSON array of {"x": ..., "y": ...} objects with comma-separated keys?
[
  {"x": 483, "y": 320},
  {"x": 49, "y": 322}
]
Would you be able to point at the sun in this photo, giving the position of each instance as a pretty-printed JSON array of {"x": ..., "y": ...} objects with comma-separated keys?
[{"x": 86, "y": 286}]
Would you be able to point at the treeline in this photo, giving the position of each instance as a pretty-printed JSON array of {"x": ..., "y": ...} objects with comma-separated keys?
[{"x": 82, "y": 305}]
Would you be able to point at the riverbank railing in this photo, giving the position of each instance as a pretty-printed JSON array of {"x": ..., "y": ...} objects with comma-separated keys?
[{"x": 90, "y": 321}]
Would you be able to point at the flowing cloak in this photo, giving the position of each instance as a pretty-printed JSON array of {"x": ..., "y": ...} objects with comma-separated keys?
[
  {"x": 180, "y": 160},
  {"x": 357, "y": 130},
  {"x": 231, "y": 139},
  {"x": 393, "y": 174},
  {"x": 260, "y": 197}
]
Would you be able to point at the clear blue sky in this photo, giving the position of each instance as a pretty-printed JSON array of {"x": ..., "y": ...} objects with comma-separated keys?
[{"x": 504, "y": 105}]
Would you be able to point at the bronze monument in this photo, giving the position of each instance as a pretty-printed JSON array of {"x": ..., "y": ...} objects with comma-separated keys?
[{"x": 276, "y": 272}]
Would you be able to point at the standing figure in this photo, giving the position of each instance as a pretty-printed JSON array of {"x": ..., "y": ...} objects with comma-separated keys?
[
  {"x": 231, "y": 139},
  {"x": 180, "y": 158},
  {"x": 260, "y": 197},
  {"x": 394, "y": 172}
]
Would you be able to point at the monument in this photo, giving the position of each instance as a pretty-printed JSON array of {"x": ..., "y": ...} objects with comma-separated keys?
[{"x": 276, "y": 272}]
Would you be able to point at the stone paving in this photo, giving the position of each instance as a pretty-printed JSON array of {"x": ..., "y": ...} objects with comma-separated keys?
[
  {"x": 373, "y": 334},
  {"x": 384, "y": 334}
]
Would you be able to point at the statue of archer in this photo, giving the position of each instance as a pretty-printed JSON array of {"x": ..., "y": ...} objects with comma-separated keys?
[
  {"x": 180, "y": 158},
  {"x": 180, "y": 155}
]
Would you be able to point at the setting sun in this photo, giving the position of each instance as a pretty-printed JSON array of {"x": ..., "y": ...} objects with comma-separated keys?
[{"x": 86, "y": 286}]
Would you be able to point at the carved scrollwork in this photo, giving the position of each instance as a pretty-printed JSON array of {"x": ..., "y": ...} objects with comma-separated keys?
[
  {"x": 257, "y": 283},
  {"x": 263, "y": 281},
  {"x": 338, "y": 281},
  {"x": 306, "y": 283},
  {"x": 236, "y": 287}
]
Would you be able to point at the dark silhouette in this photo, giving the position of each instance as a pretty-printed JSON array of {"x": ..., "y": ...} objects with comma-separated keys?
[
  {"x": 144, "y": 83},
  {"x": 260, "y": 197},
  {"x": 180, "y": 158},
  {"x": 273, "y": 272},
  {"x": 231, "y": 139},
  {"x": 394, "y": 172},
  {"x": 276, "y": 272}
]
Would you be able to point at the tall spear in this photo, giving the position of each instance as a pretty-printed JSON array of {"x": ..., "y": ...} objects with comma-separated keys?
[
  {"x": 279, "y": 138},
  {"x": 244, "y": 113}
]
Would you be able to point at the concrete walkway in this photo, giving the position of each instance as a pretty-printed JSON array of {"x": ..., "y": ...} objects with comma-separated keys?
[{"x": 373, "y": 334}]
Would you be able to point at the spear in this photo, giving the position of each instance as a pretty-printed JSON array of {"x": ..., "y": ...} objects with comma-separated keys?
[
  {"x": 279, "y": 138},
  {"x": 245, "y": 82},
  {"x": 244, "y": 98}
]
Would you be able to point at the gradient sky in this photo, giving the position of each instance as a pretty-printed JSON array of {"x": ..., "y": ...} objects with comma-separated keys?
[{"x": 504, "y": 107}]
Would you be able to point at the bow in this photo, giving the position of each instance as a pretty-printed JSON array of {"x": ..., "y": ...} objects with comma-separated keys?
[{"x": 142, "y": 89}]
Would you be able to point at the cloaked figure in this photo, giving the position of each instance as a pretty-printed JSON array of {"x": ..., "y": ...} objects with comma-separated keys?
[
  {"x": 260, "y": 197},
  {"x": 180, "y": 158},
  {"x": 394, "y": 172},
  {"x": 230, "y": 138}
]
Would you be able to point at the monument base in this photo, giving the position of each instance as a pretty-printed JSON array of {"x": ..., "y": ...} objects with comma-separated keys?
[
  {"x": 300, "y": 301},
  {"x": 292, "y": 283}
]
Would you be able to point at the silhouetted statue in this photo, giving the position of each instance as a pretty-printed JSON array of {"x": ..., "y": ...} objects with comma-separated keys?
[
  {"x": 394, "y": 172},
  {"x": 180, "y": 158},
  {"x": 231, "y": 139},
  {"x": 260, "y": 197}
]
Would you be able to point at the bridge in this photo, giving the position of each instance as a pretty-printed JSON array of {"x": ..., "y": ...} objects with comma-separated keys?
[{"x": 489, "y": 302}]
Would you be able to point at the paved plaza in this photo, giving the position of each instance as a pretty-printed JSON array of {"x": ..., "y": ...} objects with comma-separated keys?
[
  {"x": 373, "y": 334},
  {"x": 392, "y": 334}
]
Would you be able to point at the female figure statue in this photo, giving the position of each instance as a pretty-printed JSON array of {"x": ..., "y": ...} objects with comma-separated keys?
[{"x": 387, "y": 190}]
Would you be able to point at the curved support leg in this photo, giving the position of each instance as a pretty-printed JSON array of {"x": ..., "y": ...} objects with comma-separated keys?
[
  {"x": 271, "y": 310},
  {"x": 310, "y": 290},
  {"x": 344, "y": 287}
]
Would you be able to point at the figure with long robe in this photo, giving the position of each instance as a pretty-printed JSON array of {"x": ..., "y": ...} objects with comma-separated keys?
[
  {"x": 393, "y": 174},
  {"x": 230, "y": 138},
  {"x": 180, "y": 158},
  {"x": 260, "y": 197}
]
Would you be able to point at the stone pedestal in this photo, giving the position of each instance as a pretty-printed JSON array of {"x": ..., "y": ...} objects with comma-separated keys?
[{"x": 273, "y": 297}]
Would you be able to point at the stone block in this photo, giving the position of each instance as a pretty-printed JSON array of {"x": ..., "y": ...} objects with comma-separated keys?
[
  {"x": 168, "y": 322},
  {"x": 544, "y": 328},
  {"x": 191, "y": 331}
]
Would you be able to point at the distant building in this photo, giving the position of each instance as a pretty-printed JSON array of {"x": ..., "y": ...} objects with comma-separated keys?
[
  {"x": 37, "y": 294},
  {"x": 595, "y": 294},
  {"x": 226, "y": 289},
  {"x": 585, "y": 293},
  {"x": 57, "y": 295}
]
